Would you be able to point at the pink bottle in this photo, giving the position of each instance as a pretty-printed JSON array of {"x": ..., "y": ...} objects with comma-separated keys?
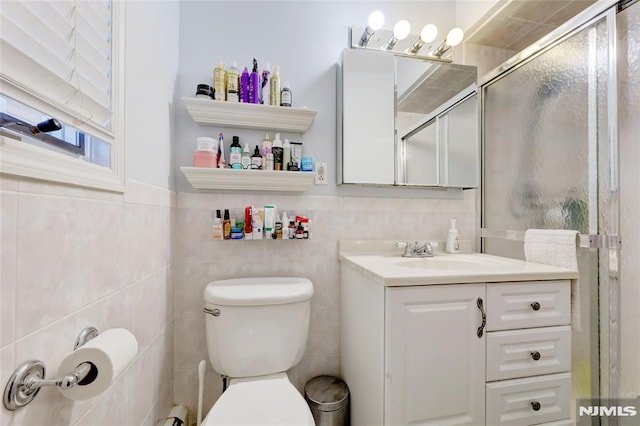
[{"x": 206, "y": 154}]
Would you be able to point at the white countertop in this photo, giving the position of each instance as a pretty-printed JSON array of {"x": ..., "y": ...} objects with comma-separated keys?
[{"x": 389, "y": 268}]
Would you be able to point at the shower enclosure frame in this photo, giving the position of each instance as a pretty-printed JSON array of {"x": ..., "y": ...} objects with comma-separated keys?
[{"x": 608, "y": 243}]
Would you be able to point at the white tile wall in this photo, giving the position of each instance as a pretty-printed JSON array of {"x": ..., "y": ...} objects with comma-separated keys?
[
  {"x": 75, "y": 257},
  {"x": 200, "y": 260}
]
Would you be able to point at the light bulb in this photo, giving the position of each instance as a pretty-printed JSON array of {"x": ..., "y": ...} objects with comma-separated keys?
[
  {"x": 455, "y": 36},
  {"x": 429, "y": 33},
  {"x": 401, "y": 29},
  {"x": 376, "y": 20}
]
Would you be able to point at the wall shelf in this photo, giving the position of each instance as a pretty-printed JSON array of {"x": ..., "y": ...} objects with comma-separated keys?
[
  {"x": 248, "y": 180},
  {"x": 249, "y": 116}
]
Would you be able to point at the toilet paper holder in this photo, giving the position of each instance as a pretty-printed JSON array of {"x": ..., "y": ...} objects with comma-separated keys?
[{"x": 27, "y": 380}]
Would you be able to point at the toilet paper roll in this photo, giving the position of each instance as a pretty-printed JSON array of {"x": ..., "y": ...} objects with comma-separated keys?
[{"x": 111, "y": 352}]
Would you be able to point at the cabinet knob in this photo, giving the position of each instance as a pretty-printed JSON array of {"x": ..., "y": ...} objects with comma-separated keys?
[
  {"x": 535, "y": 355},
  {"x": 535, "y": 405},
  {"x": 535, "y": 306}
]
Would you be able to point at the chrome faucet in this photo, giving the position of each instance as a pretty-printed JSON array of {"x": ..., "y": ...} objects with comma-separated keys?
[{"x": 416, "y": 250}]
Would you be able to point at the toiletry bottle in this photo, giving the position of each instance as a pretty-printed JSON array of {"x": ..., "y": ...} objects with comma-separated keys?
[
  {"x": 266, "y": 149},
  {"x": 222, "y": 161},
  {"x": 285, "y": 226},
  {"x": 256, "y": 159},
  {"x": 254, "y": 84},
  {"x": 232, "y": 83},
  {"x": 453, "y": 239},
  {"x": 264, "y": 94},
  {"x": 204, "y": 155},
  {"x": 299, "y": 231},
  {"x": 226, "y": 225},
  {"x": 285, "y": 95},
  {"x": 219, "y": 77},
  {"x": 235, "y": 154},
  {"x": 286, "y": 154},
  {"x": 296, "y": 156},
  {"x": 256, "y": 223},
  {"x": 248, "y": 228},
  {"x": 277, "y": 153},
  {"x": 246, "y": 157},
  {"x": 244, "y": 86},
  {"x": 217, "y": 232},
  {"x": 269, "y": 221},
  {"x": 275, "y": 87}
]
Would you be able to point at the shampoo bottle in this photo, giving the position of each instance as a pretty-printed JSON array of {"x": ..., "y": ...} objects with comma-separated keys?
[
  {"x": 453, "y": 239},
  {"x": 235, "y": 154}
]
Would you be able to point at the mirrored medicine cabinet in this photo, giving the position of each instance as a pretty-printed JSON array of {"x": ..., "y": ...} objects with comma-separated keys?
[{"x": 406, "y": 121}]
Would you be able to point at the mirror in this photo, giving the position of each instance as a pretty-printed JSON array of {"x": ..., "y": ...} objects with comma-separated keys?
[{"x": 406, "y": 121}]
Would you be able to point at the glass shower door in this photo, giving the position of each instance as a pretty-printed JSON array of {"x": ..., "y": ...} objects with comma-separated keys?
[{"x": 545, "y": 141}]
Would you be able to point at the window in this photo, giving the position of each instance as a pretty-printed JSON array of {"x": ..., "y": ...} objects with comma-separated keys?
[{"x": 62, "y": 60}]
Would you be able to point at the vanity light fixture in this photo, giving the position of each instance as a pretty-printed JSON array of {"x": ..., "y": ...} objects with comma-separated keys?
[
  {"x": 427, "y": 35},
  {"x": 401, "y": 30},
  {"x": 374, "y": 23},
  {"x": 454, "y": 38}
]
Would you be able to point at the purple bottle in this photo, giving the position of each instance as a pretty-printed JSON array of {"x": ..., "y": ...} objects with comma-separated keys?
[
  {"x": 244, "y": 86},
  {"x": 254, "y": 84}
]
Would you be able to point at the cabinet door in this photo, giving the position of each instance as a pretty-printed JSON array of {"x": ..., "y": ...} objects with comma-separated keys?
[{"x": 435, "y": 361}]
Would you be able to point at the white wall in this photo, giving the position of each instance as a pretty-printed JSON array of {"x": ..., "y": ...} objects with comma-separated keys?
[{"x": 151, "y": 68}]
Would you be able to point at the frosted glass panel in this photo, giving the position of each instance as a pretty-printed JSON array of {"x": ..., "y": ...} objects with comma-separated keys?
[
  {"x": 545, "y": 144},
  {"x": 536, "y": 150}
]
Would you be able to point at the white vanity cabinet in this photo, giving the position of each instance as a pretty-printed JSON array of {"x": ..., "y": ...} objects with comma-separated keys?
[
  {"x": 477, "y": 353},
  {"x": 427, "y": 327}
]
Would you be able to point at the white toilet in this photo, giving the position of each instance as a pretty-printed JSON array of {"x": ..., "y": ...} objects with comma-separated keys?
[{"x": 256, "y": 330}]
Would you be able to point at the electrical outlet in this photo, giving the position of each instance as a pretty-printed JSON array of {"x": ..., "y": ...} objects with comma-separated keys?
[{"x": 321, "y": 173}]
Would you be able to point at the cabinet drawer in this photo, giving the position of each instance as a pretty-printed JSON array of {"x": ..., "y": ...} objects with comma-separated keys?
[
  {"x": 528, "y": 305},
  {"x": 529, "y": 401},
  {"x": 528, "y": 352}
]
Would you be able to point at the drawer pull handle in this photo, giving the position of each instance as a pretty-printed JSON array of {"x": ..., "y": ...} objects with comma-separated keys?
[
  {"x": 535, "y": 306},
  {"x": 535, "y": 355},
  {"x": 484, "y": 317},
  {"x": 535, "y": 405}
]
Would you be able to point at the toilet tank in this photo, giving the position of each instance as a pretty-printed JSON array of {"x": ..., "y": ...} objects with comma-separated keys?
[{"x": 257, "y": 326}]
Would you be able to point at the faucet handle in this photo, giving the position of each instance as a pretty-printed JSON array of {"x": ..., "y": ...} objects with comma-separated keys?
[{"x": 406, "y": 245}]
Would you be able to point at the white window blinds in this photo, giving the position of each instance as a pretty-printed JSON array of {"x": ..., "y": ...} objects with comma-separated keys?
[{"x": 61, "y": 53}]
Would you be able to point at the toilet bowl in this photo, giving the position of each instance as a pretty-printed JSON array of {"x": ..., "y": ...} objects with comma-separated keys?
[
  {"x": 256, "y": 329},
  {"x": 266, "y": 400}
]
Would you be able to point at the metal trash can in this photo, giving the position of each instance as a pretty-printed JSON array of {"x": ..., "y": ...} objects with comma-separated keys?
[{"x": 328, "y": 398}]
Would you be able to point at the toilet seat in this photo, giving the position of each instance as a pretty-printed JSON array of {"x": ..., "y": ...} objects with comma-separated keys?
[{"x": 264, "y": 400}]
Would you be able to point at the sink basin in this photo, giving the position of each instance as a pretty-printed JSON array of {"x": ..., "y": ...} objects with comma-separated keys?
[{"x": 453, "y": 262}]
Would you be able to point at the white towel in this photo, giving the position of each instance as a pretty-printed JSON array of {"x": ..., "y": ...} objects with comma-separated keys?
[{"x": 556, "y": 247}]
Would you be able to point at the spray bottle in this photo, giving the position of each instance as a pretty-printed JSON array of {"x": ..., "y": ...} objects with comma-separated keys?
[
  {"x": 254, "y": 84},
  {"x": 232, "y": 83},
  {"x": 244, "y": 86},
  {"x": 275, "y": 87}
]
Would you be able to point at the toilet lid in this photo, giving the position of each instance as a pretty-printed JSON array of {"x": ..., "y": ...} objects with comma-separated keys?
[{"x": 268, "y": 400}]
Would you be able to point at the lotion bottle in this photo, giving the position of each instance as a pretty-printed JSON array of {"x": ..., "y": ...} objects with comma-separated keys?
[
  {"x": 286, "y": 154},
  {"x": 232, "y": 83},
  {"x": 453, "y": 239}
]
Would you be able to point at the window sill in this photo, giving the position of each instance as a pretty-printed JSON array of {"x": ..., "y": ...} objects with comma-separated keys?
[{"x": 22, "y": 159}]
